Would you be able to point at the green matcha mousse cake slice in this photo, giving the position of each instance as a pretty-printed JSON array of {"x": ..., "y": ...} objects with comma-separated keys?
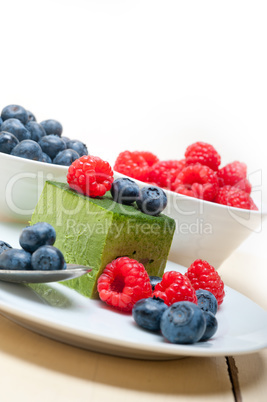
[{"x": 95, "y": 231}]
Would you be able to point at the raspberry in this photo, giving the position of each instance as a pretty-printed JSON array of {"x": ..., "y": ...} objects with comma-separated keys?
[
  {"x": 150, "y": 158},
  {"x": 234, "y": 197},
  {"x": 123, "y": 282},
  {"x": 202, "y": 153},
  {"x": 175, "y": 287},
  {"x": 244, "y": 185},
  {"x": 90, "y": 176},
  {"x": 135, "y": 164},
  {"x": 202, "y": 275},
  {"x": 197, "y": 181},
  {"x": 232, "y": 173},
  {"x": 164, "y": 173}
]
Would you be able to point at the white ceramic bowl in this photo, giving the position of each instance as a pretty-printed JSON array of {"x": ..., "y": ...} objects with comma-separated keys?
[
  {"x": 203, "y": 229},
  {"x": 22, "y": 181}
]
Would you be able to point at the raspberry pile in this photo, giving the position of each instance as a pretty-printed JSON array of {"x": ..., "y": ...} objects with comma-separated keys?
[
  {"x": 125, "y": 280},
  {"x": 197, "y": 175},
  {"x": 22, "y": 136},
  {"x": 90, "y": 175}
]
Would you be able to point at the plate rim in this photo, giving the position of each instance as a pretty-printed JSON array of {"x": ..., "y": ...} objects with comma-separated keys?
[{"x": 164, "y": 350}]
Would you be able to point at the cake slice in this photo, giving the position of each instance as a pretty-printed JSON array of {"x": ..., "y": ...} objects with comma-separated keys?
[{"x": 95, "y": 231}]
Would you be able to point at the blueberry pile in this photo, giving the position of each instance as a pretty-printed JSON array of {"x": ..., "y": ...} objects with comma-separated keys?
[
  {"x": 37, "y": 252},
  {"x": 182, "y": 322},
  {"x": 150, "y": 199},
  {"x": 22, "y": 136}
]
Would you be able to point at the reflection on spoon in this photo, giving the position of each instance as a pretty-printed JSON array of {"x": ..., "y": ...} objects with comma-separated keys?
[{"x": 72, "y": 271}]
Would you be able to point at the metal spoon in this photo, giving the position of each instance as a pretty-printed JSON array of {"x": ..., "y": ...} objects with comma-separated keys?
[{"x": 72, "y": 271}]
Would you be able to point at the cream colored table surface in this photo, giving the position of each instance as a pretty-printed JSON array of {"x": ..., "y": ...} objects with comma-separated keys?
[{"x": 34, "y": 368}]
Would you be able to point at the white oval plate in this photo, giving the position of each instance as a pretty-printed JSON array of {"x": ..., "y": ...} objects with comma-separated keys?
[{"x": 58, "y": 312}]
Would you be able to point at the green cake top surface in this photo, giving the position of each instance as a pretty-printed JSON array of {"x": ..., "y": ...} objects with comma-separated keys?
[{"x": 106, "y": 202}]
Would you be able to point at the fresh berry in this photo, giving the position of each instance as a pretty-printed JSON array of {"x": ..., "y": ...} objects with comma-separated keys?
[
  {"x": 4, "y": 246},
  {"x": 37, "y": 235},
  {"x": 52, "y": 127},
  {"x": 183, "y": 323},
  {"x": 202, "y": 275},
  {"x": 233, "y": 197},
  {"x": 175, "y": 287},
  {"x": 203, "y": 153},
  {"x": 232, "y": 173},
  {"x": 16, "y": 112},
  {"x": 15, "y": 259},
  {"x": 152, "y": 200},
  {"x": 66, "y": 157},
  {"x": 164, "y": 173},
  {"x": 197, "y": 181},
  {"x": 52, "y": 145},
  {"x": 135, "y": 164},
  {"x": 31, "y": 116},
  {"x": 8, "y": 141},
  {"x": 36, "y": 130},
  {"x": 90, "y": 175},
  {"x": 149, "y": 157},
  {"x": 207, "y": 301},
  {"x": 77, "y": 146},
  {"x": 211, "y": 326},
  {"x": 123, "y": 282},
  {"x": 28, "y": 149},
  {"x": 147, "y": 313},
  {"x": 15, "y": 127},
  {"x": 47, "y": 258},
  {"x": 244, "y": 185},
  {"x": 45, "y": 158},
  {"x": 154, "y": 280},
  {"x": 65, "y": 139},
  {"x": 124, "y": 191},
  {"x": 1, "y": 121}
]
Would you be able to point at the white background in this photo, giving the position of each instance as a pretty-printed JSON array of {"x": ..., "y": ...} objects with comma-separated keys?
[{"x": 143, "y": 75}]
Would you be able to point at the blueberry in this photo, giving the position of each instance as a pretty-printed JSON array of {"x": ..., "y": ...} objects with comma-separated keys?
[
  {"x": 52, "y": 145},
  {"x": 48, "y": 258},
  {"x": 66, "y": 157},
  {"x": 183, "y": 322},
  {"x": 16, "y": 112},
  {"x": 65, "y": 139},
  {"x": 147, "y": 313},
  {"x": 31, "y": 116},
  {"x": 14, "y": 126},
  {"x": 36, "y": 130},
  {"x": 125, "y": 191},
  {"x": 7, "y": 142},
  {"x": 28, "y": 149},
  {"x": 45, "y": 158},
  {"x": 1, "y": 121},
  {"x": 154, "y": 280},
  {"x": 152, "y": 200},
  {"x": 4, "y": 246},
  {"x": 15, "y": 259},
  {"x": 206, "y": 301},
  {"x": 52, "y": 127},
  {"x": 211, "y": 325},
  {"x": 78, "y": 146},
  {"x": 37, "y": 235}
]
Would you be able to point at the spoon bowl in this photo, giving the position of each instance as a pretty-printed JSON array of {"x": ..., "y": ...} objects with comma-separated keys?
[{"x": 18, "y": 276}]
